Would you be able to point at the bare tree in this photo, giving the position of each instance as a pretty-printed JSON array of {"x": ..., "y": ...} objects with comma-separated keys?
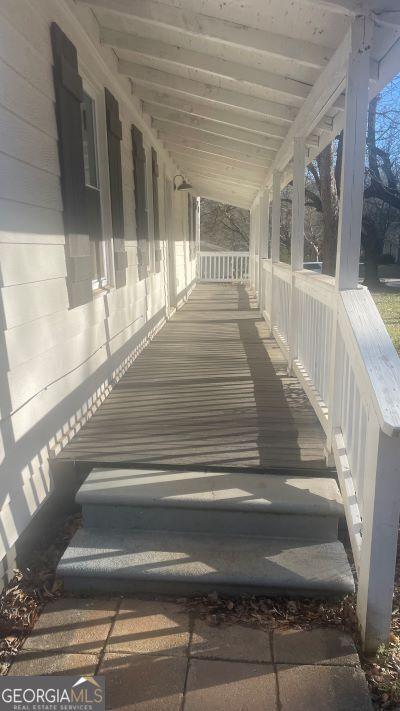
[
  {"x": 382, "y": 185},
  {"x": 224, "y": 226}
]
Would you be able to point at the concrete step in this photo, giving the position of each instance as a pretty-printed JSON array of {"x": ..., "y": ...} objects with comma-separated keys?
[
  {"x": 185, "y": 563},
  {"x": 271, "y": 505}
]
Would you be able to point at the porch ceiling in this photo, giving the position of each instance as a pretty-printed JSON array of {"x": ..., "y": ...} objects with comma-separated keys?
[{"x": 228, "y": 84}]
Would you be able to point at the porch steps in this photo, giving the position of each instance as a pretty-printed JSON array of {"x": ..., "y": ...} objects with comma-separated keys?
[
  {"x": 209, "y": 502},
  {"x": 175, "y": 532}
]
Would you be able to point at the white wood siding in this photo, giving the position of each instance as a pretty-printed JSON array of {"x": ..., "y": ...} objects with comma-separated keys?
[{"x": 57, "y": 363}]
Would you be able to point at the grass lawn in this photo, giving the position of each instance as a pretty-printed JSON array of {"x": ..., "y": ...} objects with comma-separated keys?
[{"x": 388, "y": 303}]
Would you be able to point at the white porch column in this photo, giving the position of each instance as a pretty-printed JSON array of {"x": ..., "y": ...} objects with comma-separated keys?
[
  {"x": 297, "y": 242},
  {"x": 353, "y": 159},
  {"x": 275, "y": 235},
  {"x": 263, "y": 242},
  {"x": 351, "y": 186},
  {"x": 252, "y": 249},
  {"x": 256, "y": 228},
  {"x": 276, "y": 216},
  {"x": 198, "y": 237}
]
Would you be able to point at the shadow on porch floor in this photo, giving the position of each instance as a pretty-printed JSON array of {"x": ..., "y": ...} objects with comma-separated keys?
[{"x": 211, "y": 390}]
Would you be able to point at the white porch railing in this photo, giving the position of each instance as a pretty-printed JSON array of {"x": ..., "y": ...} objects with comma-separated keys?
[
  {"x": 223, "y": 266},
  {"x": 337, "y": 345}
]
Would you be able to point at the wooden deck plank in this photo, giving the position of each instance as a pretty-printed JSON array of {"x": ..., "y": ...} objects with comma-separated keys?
[{"x": 211, "y": 390}]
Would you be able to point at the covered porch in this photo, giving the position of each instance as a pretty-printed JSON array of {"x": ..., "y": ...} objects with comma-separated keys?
[
  {"x": 313, "y": 377},
  {"x": 210, "y": 391}
]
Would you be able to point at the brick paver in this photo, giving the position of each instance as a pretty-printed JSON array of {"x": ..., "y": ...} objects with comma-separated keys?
[
  {"x": 230, "y": 686},
  {"x": 150, "y": 627},
  {"x": 324, "y": 688},
  {"x": 232, "y": 642},
  {"x": 144, "y": 683},
  {"x": 42, "y": 663},
  {"x": 74, "y": 625},
  {"x": 157, "y": 657},
  {"x": 317, "y": 646}
]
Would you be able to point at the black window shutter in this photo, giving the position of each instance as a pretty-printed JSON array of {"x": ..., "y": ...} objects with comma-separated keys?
[
  {"x": 68, "y": 96},
  {"x": 139, "y": 174},
  {"x": 114, "y": 136},
  {"x": 156, "y": 216}
]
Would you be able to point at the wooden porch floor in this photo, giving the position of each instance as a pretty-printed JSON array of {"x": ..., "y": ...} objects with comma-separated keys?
[{"x": 211, "y": 390}]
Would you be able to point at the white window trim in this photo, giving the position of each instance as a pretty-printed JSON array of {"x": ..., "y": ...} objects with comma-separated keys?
[{"x": 96, "y": 92}]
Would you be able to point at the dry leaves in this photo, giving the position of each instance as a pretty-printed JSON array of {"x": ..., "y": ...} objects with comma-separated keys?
[{"x": 27, "y": 592}]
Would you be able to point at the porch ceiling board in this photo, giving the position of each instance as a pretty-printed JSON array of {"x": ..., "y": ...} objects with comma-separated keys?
[
  {"x": 225, "y": 157},
  {"x": 354, "y": 7},
  {"x": 253, "y": 175},
  {"x": 211, "y": 192},
  {"x": 216, "y": 129},
  {"x": 227, "y": 118},
  {"x": 205, "y": 156},
  {"x": 180, "y": 133},
  {"x": 241, "y": 192},
  {"x": 216, "y": 29},
  {"x": 229, "y": 86},
  {"x": 219, "y": 175},
  {"x": 191, "y": 88},
  {"x": 203, "y": 106},
  {"x": 145, "y": 50}
]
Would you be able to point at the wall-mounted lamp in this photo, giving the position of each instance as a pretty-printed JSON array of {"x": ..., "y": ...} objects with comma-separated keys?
[{"x": 184, "y": 184}]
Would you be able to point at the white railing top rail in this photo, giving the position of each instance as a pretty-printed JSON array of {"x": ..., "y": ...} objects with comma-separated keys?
[
  {"x": 223, "y": 254},
  {"x": 373, "y": 352}
]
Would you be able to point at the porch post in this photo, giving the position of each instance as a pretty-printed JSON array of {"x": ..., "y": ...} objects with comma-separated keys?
[
  {"x": 257, "y": 247},
  {"x": 263, "y": 250},
  {"x": 297, "y": 242},
  {"x": 353, "y": 160},
  {"x": 379, "y": 537},
  {"x": 351, "y": 188},
  {"x": 276, "y": 216},
  {"x": 252, "y": 249},
  {"x": 275, "y": 234},
  {"x": 198, "y": 238}
]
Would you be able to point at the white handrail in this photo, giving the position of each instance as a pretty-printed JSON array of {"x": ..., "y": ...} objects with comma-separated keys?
[
  {"x": 337, "y": 345},
  {"x": 222, "y": 266}
]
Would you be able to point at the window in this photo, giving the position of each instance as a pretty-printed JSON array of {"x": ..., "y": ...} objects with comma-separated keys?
[
  {"x": 92, "y": 190},
  {"x": 89, "y": 142},
  {"x": 142, "y": 229}
]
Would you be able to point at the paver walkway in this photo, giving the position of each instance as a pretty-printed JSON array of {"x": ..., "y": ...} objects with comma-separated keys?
[
  {"x": 157, "y": 657},
  {"x": 211, "y": 389}
]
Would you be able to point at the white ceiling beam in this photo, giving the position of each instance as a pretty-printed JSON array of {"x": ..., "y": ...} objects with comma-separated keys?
[
  {"x": 216, "y": 30},
  {"x": 223, "y": 117},
  {"x": 326, "y": 89},
  {"x": 224, "y": 163},
  {"x": 356, "y": 7},
  {"x": 209, "y": 194},
  {"x": 348, "y": 7},
  {"x": 245, "y": 191},
  {"x": 206, "y": 109},
  {"x": 227, "y": 157},
  {"x": 214, "y": 65},
  {"x": 254, "y": 177},
  {"x": 216, "y": 129},
  {"x": 177, "y": 134},
  {"x": 199, "y": 90},
  {"x": 223, "y": 180},
  {"x": 230, "y": 195}
]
